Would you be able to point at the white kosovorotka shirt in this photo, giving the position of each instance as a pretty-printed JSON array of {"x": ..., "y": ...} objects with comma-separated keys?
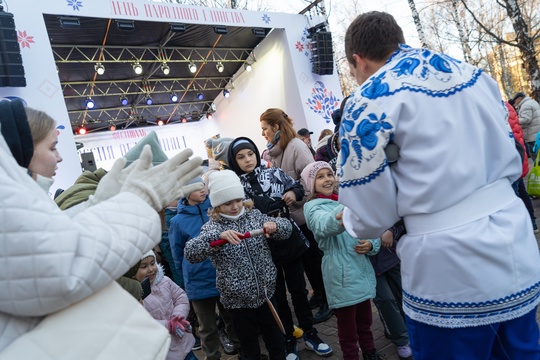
[
  {"x": 50, "y": 261},
  {"x": 470, "y": 257}
]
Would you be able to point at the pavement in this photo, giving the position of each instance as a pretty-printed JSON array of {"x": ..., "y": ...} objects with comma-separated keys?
[{"x": 328, "y": 330}]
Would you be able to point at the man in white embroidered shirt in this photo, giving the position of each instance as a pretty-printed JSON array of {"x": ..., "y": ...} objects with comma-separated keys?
[{"x": 470, "y": 261}]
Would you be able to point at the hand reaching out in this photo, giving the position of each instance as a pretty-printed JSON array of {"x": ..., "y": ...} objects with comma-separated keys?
[{"x": 363, "y": 247}]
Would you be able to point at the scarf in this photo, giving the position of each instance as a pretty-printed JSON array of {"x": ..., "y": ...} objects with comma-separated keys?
[
  {"x": 331, "y": 197},
  {"x": 233, "y": 217}
]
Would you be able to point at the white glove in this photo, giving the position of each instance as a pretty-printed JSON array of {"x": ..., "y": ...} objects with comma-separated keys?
[
  {"x": 159, "y": 185},
  {"x": 112, "y": 182}
]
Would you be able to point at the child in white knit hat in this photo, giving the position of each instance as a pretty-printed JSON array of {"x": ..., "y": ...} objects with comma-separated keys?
[
  {"x": 169, "y": 305},
  {"x": 245, "y": 273},
  {"x": 348, "y": 276}
]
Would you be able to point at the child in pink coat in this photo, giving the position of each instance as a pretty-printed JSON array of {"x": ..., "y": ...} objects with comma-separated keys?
[{"x": 168, "y": 304}]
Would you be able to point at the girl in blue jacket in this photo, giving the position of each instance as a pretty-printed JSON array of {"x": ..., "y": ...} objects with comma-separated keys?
[{"x": 348, "y": 275}]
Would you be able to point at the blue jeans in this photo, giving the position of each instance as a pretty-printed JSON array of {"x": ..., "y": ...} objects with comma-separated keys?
[
  {"x": 508, "y": 340},
  {"x": 190, "y": 356}
]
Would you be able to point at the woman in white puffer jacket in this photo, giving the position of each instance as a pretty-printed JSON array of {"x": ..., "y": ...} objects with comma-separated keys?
[{"x": 50, "y": 261}]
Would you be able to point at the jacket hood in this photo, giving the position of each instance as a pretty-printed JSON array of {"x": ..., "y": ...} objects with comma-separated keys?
[
  {"x": 233, "y": 165},
  {"x": 185, "y": 208}
]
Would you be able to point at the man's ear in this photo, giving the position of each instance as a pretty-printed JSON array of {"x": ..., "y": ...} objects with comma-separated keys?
[{"x": 360, "y": 63}]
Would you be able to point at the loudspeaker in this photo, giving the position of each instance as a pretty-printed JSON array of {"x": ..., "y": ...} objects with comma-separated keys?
[
  {"x": 88, "y": 161},
  {"x": 11, "y": 66},
  {"x": 322, "y": 53}
]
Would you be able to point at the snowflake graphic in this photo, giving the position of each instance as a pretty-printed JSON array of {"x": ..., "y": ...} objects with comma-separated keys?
[
  {"x": 322, "y": 101},
  {"x": 75, "y": 4},
  {"x": 299, "y": 46},
  {"x": 266, "y": 18},
  {"x": 24, "y": 39}
]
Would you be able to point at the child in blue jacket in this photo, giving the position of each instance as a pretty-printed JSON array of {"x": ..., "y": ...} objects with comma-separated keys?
[{"x": 348, "y": 276}]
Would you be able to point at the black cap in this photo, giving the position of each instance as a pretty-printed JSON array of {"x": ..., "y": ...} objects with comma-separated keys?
[
  {"x": 304, "y": 132},
  {"x": 518, "y": 95}
]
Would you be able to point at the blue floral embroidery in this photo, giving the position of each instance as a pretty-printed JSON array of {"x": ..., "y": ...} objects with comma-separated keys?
[
  {"x": 376, "y": 87},
  {"x": 420, "y": 64},
  {"x": 405, "y": 67},
  {"x": 266, "y": 18}
]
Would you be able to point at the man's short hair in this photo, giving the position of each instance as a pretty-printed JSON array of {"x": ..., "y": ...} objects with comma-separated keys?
[{"x": 374, "y": 35}]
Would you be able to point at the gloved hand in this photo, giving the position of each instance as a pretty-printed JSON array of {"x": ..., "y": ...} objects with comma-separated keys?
[
  {"x": 159, "y": 185},
  {"x": 112, "y": 182},
  {"x": 178, "y": 325}
]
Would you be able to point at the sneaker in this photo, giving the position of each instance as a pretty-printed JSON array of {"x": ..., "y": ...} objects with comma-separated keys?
[
  {"x": 404, "y": 352},
  {"x": 314, "y": 343},
  {"x": 298, "y": 333},
  {"x": 291, "y": 349},
  {"x": 315, "y": 301},
  {"x": 535, "y": 228},
  {"x": 197, "y": 345},
  {"x": 374, "y": 355},
  {"x": 226, "y": 343},
  {"x": 323, "y": 314}
]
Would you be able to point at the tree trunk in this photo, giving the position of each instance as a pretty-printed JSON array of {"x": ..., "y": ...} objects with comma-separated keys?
[
  {"x": 526, "y": 47},
  {"x": 418, "y": 23}
]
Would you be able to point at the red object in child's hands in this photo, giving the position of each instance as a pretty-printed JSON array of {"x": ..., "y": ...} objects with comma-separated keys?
[{"x": 246, "y": 235}]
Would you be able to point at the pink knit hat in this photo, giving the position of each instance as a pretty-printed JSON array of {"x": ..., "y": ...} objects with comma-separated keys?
[{"x": 310, "y": 171}]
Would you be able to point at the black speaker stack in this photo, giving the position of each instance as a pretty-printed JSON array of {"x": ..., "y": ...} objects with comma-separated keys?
[
  {"x": 322, "y": 51},
  {"x": 11, "y": 65}
]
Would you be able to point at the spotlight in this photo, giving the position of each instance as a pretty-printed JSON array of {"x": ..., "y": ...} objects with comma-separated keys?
[
  {"x": 137, "y": 67},
  {"x": 174, "y": 97},
  {"x": 89, "y": 103},
  {"x": 200, "y": 96},
  {"x": 209, "y": 116},
  {"x": 148, "y": 100},
  {"x": 112, "y": 127},
  {"x": 220, "y": 29},
  {"x": 124, "y": 100},
  {"x": 100, "y": 69},
  {"x": 81, "y": 130},
  {"x": 165, "y": 68},
  {"x": 160, "y": 122},
  {"x": 220, "y": 67},
  {"x": 226, "y": 93},
  {"x": 247, "y": 67},
  {"x": 192, "y": 67},
  {"x": 184, "y": 120}
]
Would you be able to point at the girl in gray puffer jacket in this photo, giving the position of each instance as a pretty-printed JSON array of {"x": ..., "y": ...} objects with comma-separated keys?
[{"x": 245, "y": 273}]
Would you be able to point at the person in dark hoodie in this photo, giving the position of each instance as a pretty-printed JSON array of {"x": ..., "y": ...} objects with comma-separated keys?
[
  {"x": 199, "y": 278},
  {"x": 272, "y": 191}
]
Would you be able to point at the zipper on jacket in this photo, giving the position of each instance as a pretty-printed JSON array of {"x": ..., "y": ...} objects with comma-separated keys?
[{"x": 252, "y": 268}]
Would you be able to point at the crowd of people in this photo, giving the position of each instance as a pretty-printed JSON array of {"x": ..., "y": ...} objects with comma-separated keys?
[{"x": 409, "y": 202}]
